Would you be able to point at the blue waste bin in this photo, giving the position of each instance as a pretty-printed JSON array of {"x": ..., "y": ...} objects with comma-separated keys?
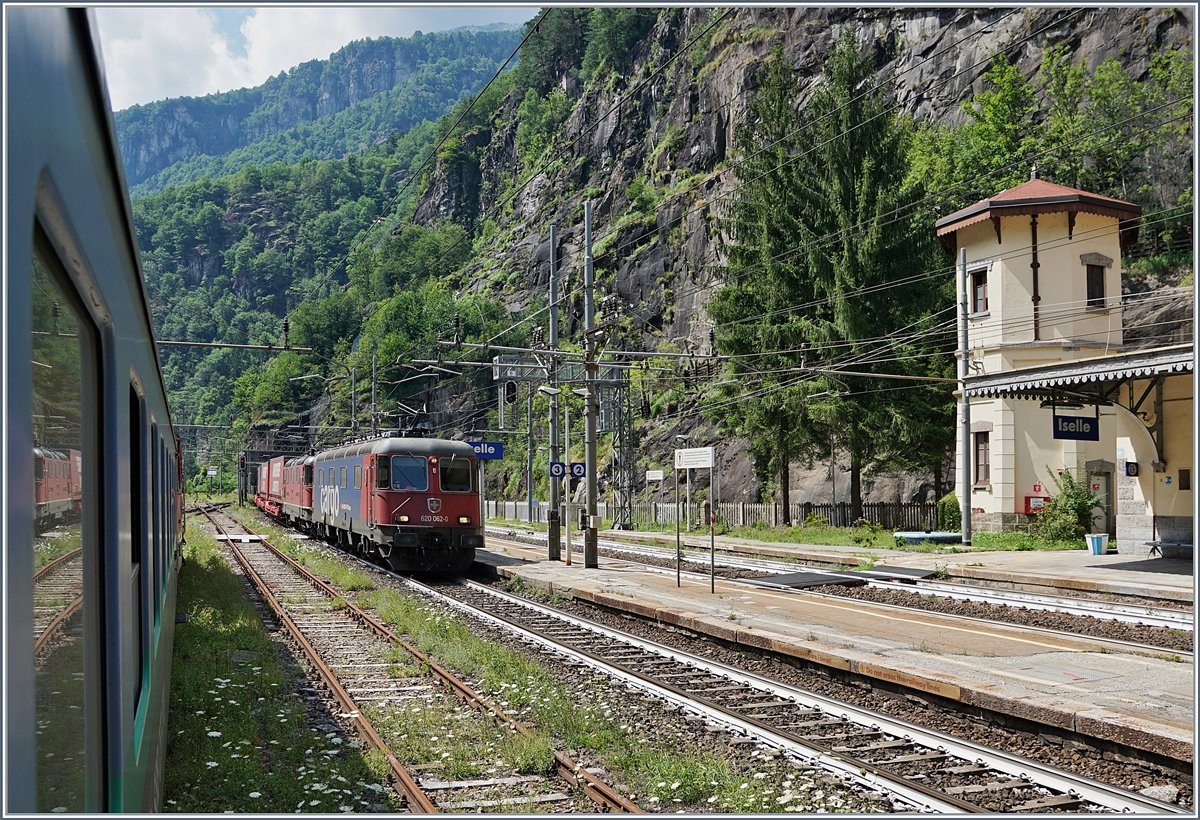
[{"x": 1097, "y": 542}]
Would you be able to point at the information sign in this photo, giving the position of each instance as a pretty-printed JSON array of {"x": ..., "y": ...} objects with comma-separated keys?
[
  {"x": 557, "y": 469},
  {"x": 488, "y": 450},
  {"x": 654, "y": 475},
  {"x": 694, "y": 457},
  {"x": 212, "y": 471},
  {"x": 578, "y": 469}
]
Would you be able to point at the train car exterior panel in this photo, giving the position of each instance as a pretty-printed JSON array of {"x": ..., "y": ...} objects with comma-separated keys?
[{"x": 86, "y": 705}]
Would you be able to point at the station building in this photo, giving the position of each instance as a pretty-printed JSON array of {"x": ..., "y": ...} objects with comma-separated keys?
[{"x": 1053, "y": 384}]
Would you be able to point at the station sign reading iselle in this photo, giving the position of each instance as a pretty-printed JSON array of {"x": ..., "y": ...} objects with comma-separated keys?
[
  {"x": 1077, "y": 428},
  {"x": 488, "y": 450},
  {"x": 693, "y": 457}
]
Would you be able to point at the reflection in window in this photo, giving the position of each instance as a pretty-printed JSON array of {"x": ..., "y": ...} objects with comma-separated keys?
[
  {"x": 456, "y": 475},
  {"x": 58, "y": 614},
  {"x": 408, "y": 473}
]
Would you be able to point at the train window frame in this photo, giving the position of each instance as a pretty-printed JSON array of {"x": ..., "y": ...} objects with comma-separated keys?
[
  {"x": 424, "y": 471},
  {"x": 383, "y": 472},
  {"x": 342, "y": 477},
  {"x": 452, "y": 463},
  {"x": 51, "y": 244},
  {"x": 155, "y": 541},
  {"x": 358, "y": 476}
]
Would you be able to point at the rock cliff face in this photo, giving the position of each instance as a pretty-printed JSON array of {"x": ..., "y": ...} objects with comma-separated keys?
[
  {"x": 155, "y": 136},
  {"x": 676, "y": 132}
]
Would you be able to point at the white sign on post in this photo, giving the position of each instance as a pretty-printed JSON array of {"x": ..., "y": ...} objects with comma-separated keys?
[
  {"x": 694, "y": 457},
  {"x": 212, "y": 471},
  {"x": 654, "y": 475}
]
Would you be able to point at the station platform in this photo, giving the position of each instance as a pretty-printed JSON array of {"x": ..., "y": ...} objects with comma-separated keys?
[
  {"x": 1170, "y": 579},
  {"x": 1144, "y": 700}
]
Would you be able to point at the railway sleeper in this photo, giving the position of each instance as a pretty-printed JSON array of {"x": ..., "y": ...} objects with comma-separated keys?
[{"x": 432, "y": 784}]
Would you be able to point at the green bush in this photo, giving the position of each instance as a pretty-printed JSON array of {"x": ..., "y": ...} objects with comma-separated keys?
[
  {"x": 949, "y": 514},
  {"x": 865, "y": 532},
  {"x": 814, "y": 520},
  {"x": 1067, "y": 515}
]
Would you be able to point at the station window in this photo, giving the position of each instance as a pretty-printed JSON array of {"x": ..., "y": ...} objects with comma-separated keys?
[
  {"x": 1185, "y": 479},
  {"x": 979, "y": 293},
  {"x": 1095, "y": 286},
  {"x": 983, "y": 472}
]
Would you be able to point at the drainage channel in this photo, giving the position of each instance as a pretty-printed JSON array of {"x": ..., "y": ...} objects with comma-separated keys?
[
  {"x": 355, "y": 656},
  {"x": 927, "y": 770}
]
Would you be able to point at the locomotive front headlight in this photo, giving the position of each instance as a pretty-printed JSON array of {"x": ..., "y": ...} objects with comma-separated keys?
[
  {"x": 402, "y": 519},
  {"x": 464, "y": 519}
]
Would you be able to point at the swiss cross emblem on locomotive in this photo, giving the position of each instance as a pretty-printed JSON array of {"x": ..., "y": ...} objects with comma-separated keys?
[{"x": 434, "y": 504}]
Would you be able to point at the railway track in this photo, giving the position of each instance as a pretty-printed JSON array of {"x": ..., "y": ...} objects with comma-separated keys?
[
  {"x": 1171, "y": 622},
  {"x": 355, "y": 656},
  {"x": 57, "y": 595},
  {"x": 927, "y": 770}
]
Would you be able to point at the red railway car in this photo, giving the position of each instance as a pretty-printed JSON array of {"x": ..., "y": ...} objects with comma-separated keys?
[
  {"x": 285, "y": 489},
  {"x": 58, "y": 493}
]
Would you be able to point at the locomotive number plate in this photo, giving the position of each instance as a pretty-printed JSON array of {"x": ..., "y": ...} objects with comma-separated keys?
[{"x": 436, "y": 519}]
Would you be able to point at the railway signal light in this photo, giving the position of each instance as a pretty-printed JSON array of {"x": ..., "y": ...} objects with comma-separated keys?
[{"x": 510, "y": 392}]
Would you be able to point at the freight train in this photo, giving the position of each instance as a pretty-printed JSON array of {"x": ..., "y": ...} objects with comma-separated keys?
[
  {"x": 87, "y": 671},
  {"x": 410, "y": 503}
]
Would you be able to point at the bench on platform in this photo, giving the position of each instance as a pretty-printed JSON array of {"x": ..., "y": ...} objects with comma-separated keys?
[{"x": 1171, "y": 549}]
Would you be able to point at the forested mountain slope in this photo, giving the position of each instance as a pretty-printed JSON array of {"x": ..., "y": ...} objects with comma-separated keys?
[
  {"x": 320, "y": 109},
  {"x": 651, "y": 116}
]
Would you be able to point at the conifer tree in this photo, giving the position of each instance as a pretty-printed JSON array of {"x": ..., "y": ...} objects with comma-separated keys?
[{"x": 819, "y": 237}]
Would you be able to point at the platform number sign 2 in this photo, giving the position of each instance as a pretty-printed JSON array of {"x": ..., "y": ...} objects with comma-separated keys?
[{"x": 578, "y": 469}]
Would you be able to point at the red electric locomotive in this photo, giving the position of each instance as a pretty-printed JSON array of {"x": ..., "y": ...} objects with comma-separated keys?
[
  {"x": 58, "y": 494},
  {"x": 412, "y": 503}
]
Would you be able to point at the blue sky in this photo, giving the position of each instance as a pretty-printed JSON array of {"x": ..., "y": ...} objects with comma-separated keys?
[{"x": 154, "y": 53}]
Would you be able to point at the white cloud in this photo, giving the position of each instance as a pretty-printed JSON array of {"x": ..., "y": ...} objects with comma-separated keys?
[{"x": 155, "y": 53}]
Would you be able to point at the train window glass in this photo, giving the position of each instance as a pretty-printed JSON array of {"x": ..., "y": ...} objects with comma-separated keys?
[
  {"x": 342, "y": 477},
  {"x": 65, "y": 551},
  {"x": 154, "y": 569},
  {"x": 409, "y": 473},
  {"x": 308, "y": 470},
  {"x": 456, "y": 475},
  {"x": 358, "y": 476},
  {"x": 383, "y": 472},
  {"x": 137, "y": 534}
]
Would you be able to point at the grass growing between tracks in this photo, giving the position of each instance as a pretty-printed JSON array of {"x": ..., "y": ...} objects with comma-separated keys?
[
  {"x": 59, "y": 541},
  {"x": 661, "y": 769},
  {"x": 239, "y": 740},
  {"x": 661, "y": 772}
]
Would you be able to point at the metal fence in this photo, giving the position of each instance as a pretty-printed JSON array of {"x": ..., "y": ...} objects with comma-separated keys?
[{"x": 892, "y": 515}]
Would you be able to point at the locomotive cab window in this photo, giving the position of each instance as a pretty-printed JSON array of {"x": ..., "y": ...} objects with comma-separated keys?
[
  {"x": 383, "y": 472},
  {"x": 308, "y": 471},
  {"x": 456, "y": 475},
  {"x": 409, "y": 473},
  {"x": 67, "y": 679}
]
